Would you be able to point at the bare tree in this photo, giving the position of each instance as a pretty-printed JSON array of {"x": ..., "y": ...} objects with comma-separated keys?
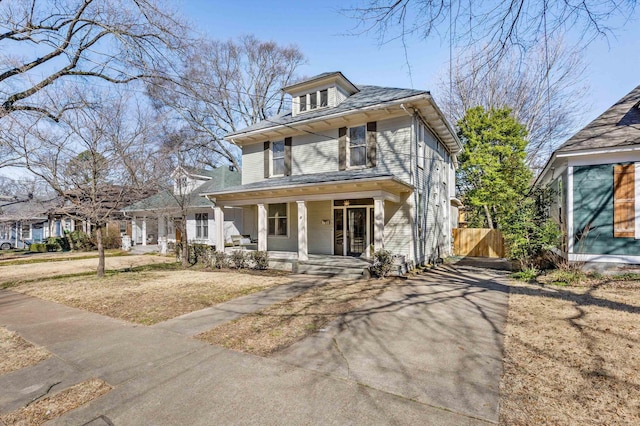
[
  {"x": 497, "y": 24},
  {"x": 44, "y": 43},
  {"x": 544, "y": 89},
  {"x": 95, "y": 158},
  {"x": 223, "y": 86}
]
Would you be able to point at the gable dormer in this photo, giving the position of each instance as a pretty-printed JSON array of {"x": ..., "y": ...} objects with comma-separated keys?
[
  {"x": 187, "y": 179},
  {"x": 322, "y": 91}
]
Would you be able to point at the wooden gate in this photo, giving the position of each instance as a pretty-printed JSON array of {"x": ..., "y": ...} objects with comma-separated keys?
[{"x": 478, "y": 242}]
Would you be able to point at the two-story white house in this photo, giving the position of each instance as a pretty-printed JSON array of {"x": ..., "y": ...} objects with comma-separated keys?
[{"x": 348, "y": 171}]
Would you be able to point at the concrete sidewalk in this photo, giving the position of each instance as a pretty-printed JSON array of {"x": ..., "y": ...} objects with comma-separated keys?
[{"x": 162, "y": 377}]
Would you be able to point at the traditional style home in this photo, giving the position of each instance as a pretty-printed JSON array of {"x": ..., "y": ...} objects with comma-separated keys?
[
  {"x": 596, "y": 178},
  {"x": 350, "y": 170},
  {"x": 158, "y": 216}
]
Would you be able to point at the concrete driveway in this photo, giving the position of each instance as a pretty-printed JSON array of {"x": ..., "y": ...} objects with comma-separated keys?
[
  {"x": 436, "y": 340},
  {"x": 426, "y": 353}
]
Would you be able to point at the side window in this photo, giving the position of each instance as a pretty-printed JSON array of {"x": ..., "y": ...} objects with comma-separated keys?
[
  {"x": 303, "y": 103},
  {"x": 357, "y": 146},
  {"x": 202, "y": 225},
  {"x": 277, "y": 218},
  {"x": 277, "y": 152}
]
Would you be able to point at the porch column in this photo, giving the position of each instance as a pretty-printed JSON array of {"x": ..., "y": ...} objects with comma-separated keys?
[
  {"x": 378, "y": 224},
  {"x": 134, "y": 231},
  {"x": 218, "y": 216},
  {"x": 144, "y": 231},
  {"x": 262, "y": 227},
  {"x": 162, "y": 234},
  {"x": 303, "y": 251}
]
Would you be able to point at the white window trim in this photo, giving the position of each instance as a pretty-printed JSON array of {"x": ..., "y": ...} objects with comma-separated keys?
[
  {"x": 280, "y": 237},
  {"x": 307, "y": 98},
  {"x": 271, "y": 169},
  {"x": 201, "y": 238}
]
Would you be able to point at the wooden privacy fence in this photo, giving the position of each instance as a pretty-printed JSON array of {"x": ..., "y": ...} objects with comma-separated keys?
[{"x": 478, "y": 242}]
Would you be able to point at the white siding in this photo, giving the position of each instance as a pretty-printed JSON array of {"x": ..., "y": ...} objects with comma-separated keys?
[
  {"x": 394, "y": 147},
  {"x": 320, "y": 234},
  {"x": 339, "y": 95},
  {"x": 289, "y": 243},
  {"x": 252, "y": 163},
  {"x": 314, "y": 153},
  {"x": 398, "y": 237}
]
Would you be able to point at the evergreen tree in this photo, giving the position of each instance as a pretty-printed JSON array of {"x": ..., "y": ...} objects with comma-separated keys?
[{"x": 492, "y": 176}]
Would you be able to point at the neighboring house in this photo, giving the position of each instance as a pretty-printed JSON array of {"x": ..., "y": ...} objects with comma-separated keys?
[
  {"x": 349, "y": 171},
  {"x": 24, "y": 221},
  {"x": 156, "y": 216},
  {"x": 596, "y": 177}
]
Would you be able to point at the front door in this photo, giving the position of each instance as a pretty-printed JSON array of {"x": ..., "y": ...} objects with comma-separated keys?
[{"x": 356, "y": 231}]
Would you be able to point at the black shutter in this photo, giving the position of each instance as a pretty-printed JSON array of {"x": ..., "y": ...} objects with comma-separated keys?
[
  {"x": 267, "y": 146},
  {"x": 372, "y": 144},
  {"x": 342, "y": 148},
  {"x": 287, "y": 156}
]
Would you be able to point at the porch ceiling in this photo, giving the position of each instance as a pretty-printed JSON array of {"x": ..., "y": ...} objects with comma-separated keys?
[{"x": 388, "y": 188}]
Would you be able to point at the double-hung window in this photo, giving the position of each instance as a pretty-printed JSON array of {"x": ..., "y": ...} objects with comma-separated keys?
[
  {"x": 202, "y": 225},
  {"x": 357, "y": 146},
  {"x": 277, "y": 155},
  {"x": 277, "y": 218}
]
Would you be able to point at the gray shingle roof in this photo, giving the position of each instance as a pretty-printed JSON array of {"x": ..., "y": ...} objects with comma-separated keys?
[
  {"x": 315, "y": 178},
  {"x": 367, "y": 96},
  {"x": 618, "y": 126}
]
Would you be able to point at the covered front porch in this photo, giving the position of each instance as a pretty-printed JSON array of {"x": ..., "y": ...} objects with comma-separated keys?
[{"x": 343, "y": 218}]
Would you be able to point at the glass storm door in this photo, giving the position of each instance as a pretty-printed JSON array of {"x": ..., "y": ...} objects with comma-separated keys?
[
  {"x": 356, "y": 231},
  {"x": 338, "y": 235}
]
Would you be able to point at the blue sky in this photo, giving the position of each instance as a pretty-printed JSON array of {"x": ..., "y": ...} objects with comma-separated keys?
[{"x": 321, "y": 31}]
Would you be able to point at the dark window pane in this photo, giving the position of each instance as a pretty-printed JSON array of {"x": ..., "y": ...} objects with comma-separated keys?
[
  {"x": 279, "y": 209},
  {"x": 324, "y": 98},
  {"x": 278, "y": 166},
  {"x": 313, "y": 100},
  {"x": 358, "y": 156},
  {"x": 303, "y": 103},
  {"x": 357, "y": 136}
]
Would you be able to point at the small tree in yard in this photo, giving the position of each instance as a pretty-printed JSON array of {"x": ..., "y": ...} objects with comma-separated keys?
[{"x": 492, "y": 176}]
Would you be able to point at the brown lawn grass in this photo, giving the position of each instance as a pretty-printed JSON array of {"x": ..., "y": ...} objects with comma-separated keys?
[
  {"x": 24, "y": 258},
  {"x": 278, "y": 326},
  {"x": 56, "y": 405},
  {"x": 17, "y": 353},
  {"x": 16, "y": 274},
  {"x": 150, "y": 296},
  {"x": 572, "y": 355}
]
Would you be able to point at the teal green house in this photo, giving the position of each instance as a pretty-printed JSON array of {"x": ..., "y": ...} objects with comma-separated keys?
[{"x": 596, "y": 178}]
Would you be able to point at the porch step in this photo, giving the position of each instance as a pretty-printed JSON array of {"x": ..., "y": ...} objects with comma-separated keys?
[{"x": 335, "y": 266}]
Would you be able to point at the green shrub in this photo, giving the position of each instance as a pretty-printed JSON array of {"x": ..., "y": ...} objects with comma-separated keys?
[
  {"x": 260, "y": 259},
  {"x": 239, "y": 259},
  {"x": 38, "y": 248},
  {"x": 382, "y": 263},
  {"x": 79, "y": 240},
  {"x": 219, "y": 260},
  {"x": 526, "y": 275}
]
